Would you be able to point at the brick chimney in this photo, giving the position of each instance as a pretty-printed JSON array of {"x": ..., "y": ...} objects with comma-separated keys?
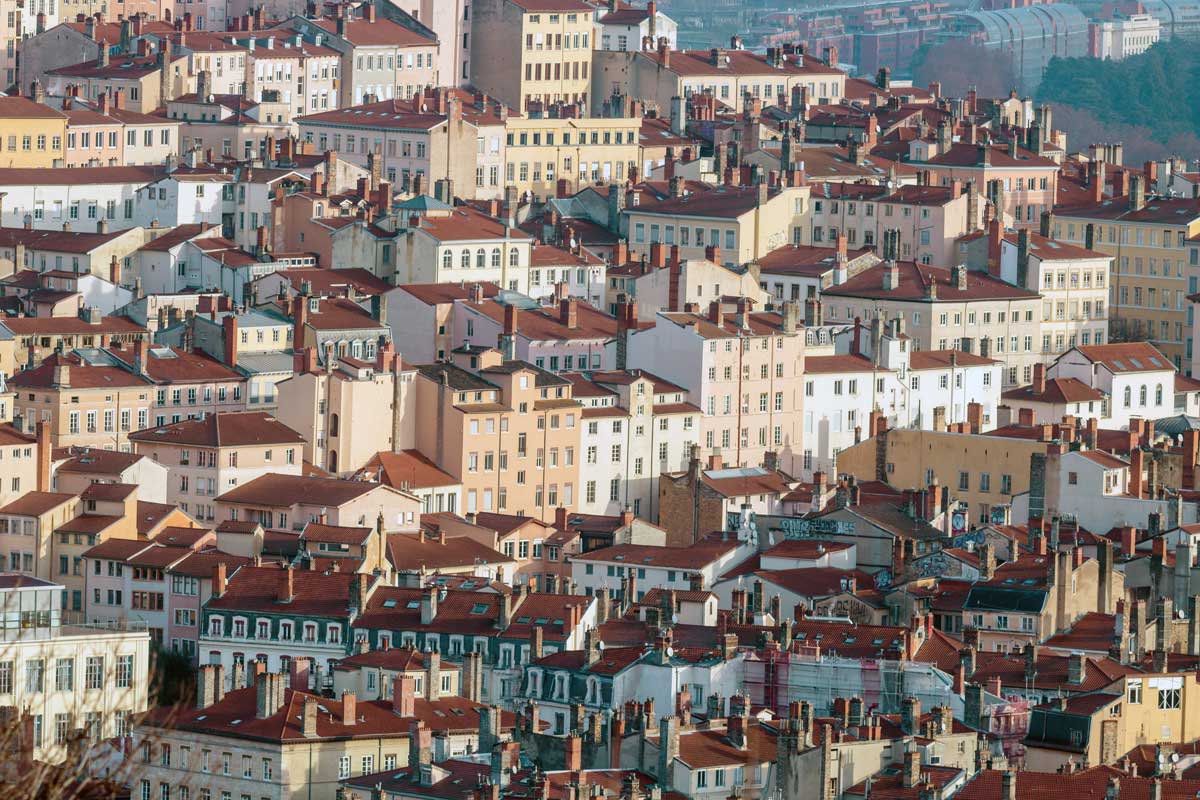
[
  {"x": 404, "y": 693},
  {"x": 568, "y": 313},
  {"x": 229, "y": 327}
]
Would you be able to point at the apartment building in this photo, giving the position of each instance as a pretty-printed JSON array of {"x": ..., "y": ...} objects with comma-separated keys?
[
  {"x": 464, "y": 244},
  {"x": 322, "y": 404},
  {"x": 725, "y": 225},
  {"x": 219, "y": 451},
  {"x": 417, "y": 142},
  {"x": 1021, "y": 183},
  {"x": 927, "y": 219},
  {"x": 507, "y": 429},
  {"x": 635, "y": 426},
  {"x": 543, "y": 154},
  {"x": 110, "y": 135},
  {"x": 743, "y": 369},
  {"x": 34, "y": 133},
  {"x": 289, "y": 502},
  {"x": 954, "y": 309},
  {"x": 84, "y": 405},
  {"x": 660, "y": 74},
  {"x": 567, "y": 335},
  {"x": 1152, "y": 274},
  {"x": 68, "y": 676},
  {"x": 35, "y": 337},
  {"x": 533, "y": 54},
  {"x": 1136, "y": 379},
  {"x": 381, "y": 59}
]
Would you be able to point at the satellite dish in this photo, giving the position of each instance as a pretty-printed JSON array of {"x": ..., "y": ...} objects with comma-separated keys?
[
  {"x": 670, "y": 651},
  {"x": 601, "y": 646}
]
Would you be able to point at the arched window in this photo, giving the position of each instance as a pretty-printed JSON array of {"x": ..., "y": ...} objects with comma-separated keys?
[
  {"x": 447, "y": 260},
  {"x": 1128, "y": 396},
  {"x": 1142, "y": 395},
  {"x": 480, "y": 258},
  {"x": 466, "y": 259},
  {"x": 333, "y": 467},
  {"x": 1158, "y": 395},
  {"x": 333, "y": 424},
  {"x": 495, "y": 256},
  {"x": 512, "y": 257}
]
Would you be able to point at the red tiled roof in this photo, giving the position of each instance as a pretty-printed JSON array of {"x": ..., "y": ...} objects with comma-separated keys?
[
  {"x": 315, "y": 594},
  {"x": 439, "y": 293},
  {"x": 738, "y": 62},
  {"x": 468, "y": 224},
  {"x": 1058, "y": 391},
  {"x": 222, "y": 429},
  {"x": 1126, "y": 357},
  {"x": 915, "y": 280},
  {"x": 382, "y": 32},
  {"x": 408, "y": 469},
  {"x": 286, "y": 490},
  {"x": 544, "y": 324},
  {"x": 1089, "y": 783},
  {"x": 849, "y": 362},
  {"x": 418, "y": 551},
  {"x": 694, "y": 557},
  {"x": 944, "y": 359}
]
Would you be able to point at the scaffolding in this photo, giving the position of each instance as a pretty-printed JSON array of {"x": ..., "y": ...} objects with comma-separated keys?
[{"x": 774, "y": 679}]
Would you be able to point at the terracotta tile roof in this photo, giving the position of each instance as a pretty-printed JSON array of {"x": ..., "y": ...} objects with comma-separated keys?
[
  {"x": 613, "y": 660},
  {"x": 94, "y": 461},
  {"x": 1093, "y": 631},
  {"x": 116, "y": 549},
  {"x": 711, "y": 747},
  {"x": 335, "y": 281},
  {"x": 335, "y": 534},
  {"x": 70, "y": 326},
  {"x": 941, "y": 650},
  {"x": 964, "y": 154},
  {"x": 109, "y": 492},
  {"x": 222, "y": 429},
  {"x": 32, "y": 504},
  {"x": 155, "y": 555},
  {"x": 386, "y": 114},
  {"x": 119, "y": 67},
  {"x": 549, "y": 255},
  {"x": 400, "y": 659},
  {"x": 849, "y": 362},
  {"x": 469, "y": 612},
  {"x": 89, "y": 523},
  {"x": 1126, "y": 357},
  {"x": 1051, "y": 673},
  {"x": 176, "y": 236},
  {"x": 287, "y": 490},
  {"x": 554, "y": 5},
  {"x": 888, "y": 784},
  {"x": 941, "y": 359},
  {"x": 81, "y": 176},
  {"x": 408, "y": 469},
  {"x": 722, "y": 203},
  {"x": 340, "y": 313},
  {"x": 418, "y": 551},
  {"x": 56, "y": 241},
  {"x": 504, "y": 524},
  {"x": 1049, "y": 249},
  {"x": 547, "y": 324},
  {"x": 1089, "y": 783},
  {"x": 468, "y": 224},
  {"x": 235, "y": 716},
  {"x": 179, "y": 536},
  {"x": 439, "y": 293},
  {"x": 915, "y": 280},
  {"x": 642, "y": 555},
  {"x": 743, "y": 63},
  {"x": 803, "y": 260},
  {"x": 815, "y": 581},
  {"x": 1058, "y": 391},
  {"x": 1172, "y": 211},
  {"x": 315, "y": 594},
  {"x": 380, "y": 33}
]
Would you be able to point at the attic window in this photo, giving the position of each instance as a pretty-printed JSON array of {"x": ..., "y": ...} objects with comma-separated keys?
[
  {"x": 542, "y": 620},
  {"x": 479, "y": 608},
  {"x": 413, "y": 604},
  {"x": 876, "y": 642},
  {"x": 389, "y": 603},
  {"x": 523, "y": 620}
]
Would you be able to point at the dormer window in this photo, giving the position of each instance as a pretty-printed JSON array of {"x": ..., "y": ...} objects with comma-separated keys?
[{"x": 313, "y": 305}]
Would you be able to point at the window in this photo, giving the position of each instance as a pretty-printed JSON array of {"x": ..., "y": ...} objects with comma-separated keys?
[
  {"x": 343, "y": 767},
  {"x": 1133, "y": 692},
  {"x": 1168, "y": 698}
]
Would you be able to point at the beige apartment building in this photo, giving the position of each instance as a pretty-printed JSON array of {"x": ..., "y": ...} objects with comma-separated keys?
[
  {"x": 1021, "y": 183},
  {"x": 728, "y": 225},
  {"x": 947, "y": 309},
  {"x": 657, "y": 76},
  {"x": 67, "y": 677},
  {"x": 1152, "y": 275},
  {"x": 745, "y": 371},
  {"x": 83, "y": 405},
  {"x": 529, "y": 52},
  {"x": 928, "y": 219},
  {"x": 507, "y": 429},
  {"x": 207, "y": 456},
  {"x": 979, "y": 469},
  {"x": 327, "y": 407},
  {"x": 540, "y": 152},
  {"x": 419, "y": 142}
]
